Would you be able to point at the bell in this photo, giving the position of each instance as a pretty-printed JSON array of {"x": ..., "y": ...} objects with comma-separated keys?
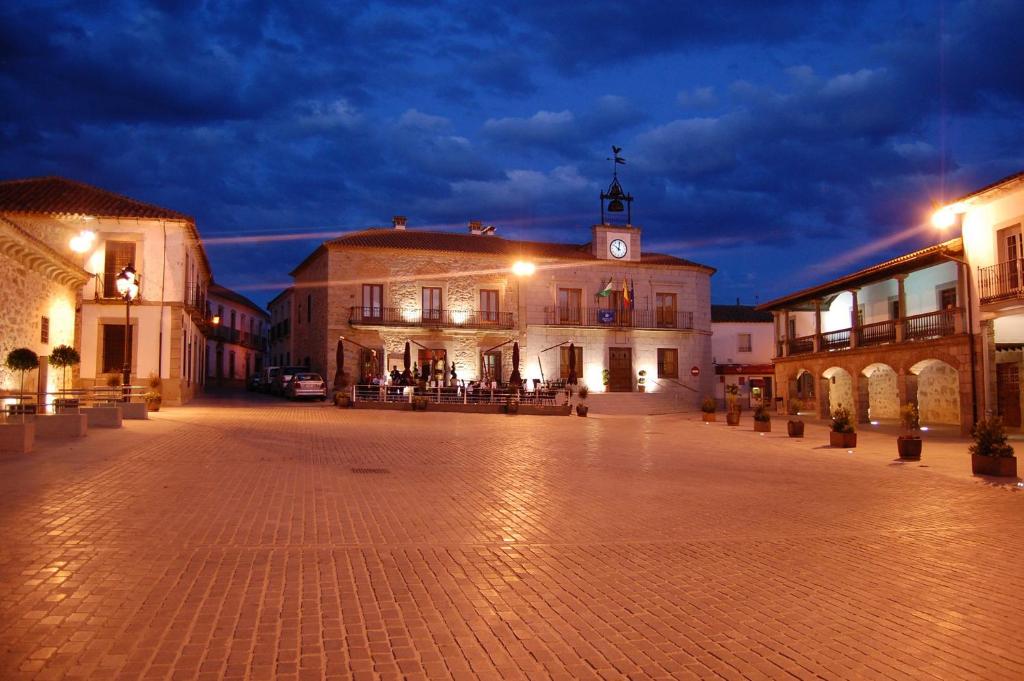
[{"x": 615, "y": 206}]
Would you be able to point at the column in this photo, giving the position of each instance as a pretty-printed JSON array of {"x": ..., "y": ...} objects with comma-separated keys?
[
  {"x": 785, "y": 333},
  {"x": 902, "y": 307},
  {"x": 817, "y": 325},
  {"x": 854, "y": 320},
  {"x": 960, "y": 319},
  {"x": 861, "y": 397}
]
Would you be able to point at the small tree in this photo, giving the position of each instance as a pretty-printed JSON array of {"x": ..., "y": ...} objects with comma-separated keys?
[
  {"x": 22, "y": 360},
  {"x": 910, "y": 418},
  {"x": 841, "y": 421},
  {"x": 708, "y": 405},
  {"x": 990, "y": 439},
  {"x": 62, "y": 357}
]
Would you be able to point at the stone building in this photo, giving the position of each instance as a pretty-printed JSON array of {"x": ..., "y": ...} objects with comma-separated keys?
[
  {"x": 100, "y": 232},
  {"x": 237, "y": 342},
  {"x": 742, "y": 347},
  {"x": 465, "y": 298},
  {"x": 280, "y": 335},
  {"x": 42, "y": 282}
]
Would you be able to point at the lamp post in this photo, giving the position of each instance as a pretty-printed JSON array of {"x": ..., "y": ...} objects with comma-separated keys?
[{"x": 128, "y": 286}]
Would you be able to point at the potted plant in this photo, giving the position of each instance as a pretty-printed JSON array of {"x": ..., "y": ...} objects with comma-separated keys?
[
  {"x": 152, "y": 397},
  {"x": 909, "y": 444},
  {"x": 342, "y": 398},
  {"x": 22, "y": 360},
  {"x": 732, "y": 416},
  {"x": 795, "y": 407},
  {"x": 641, "y": 381},
  {"x": 762, "y": 420},
  {"x": 990, "y": 453},
  {"x": 732, "y": 404},
  {"x": 708, "y": 406},
  {"x": 581, "y": 406},
  {"x": 843, "y": 433},
  {"x": 62, "y": 357},
  {"x": 795, "y": 427},
  {"x": 512, "y": 405},
  {"x": 606, "y": 377}
]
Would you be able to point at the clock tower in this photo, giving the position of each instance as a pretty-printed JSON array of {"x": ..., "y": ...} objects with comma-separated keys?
[{"x": 616, "y": 241}]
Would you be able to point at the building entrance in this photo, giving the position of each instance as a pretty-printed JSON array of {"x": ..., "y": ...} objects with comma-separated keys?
[
  {"x": 1008, "y": 394},
  {"x": 620, "y": 369}
]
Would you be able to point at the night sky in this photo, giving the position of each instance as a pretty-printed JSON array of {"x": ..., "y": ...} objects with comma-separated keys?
[{"x": 781, "y": 142}]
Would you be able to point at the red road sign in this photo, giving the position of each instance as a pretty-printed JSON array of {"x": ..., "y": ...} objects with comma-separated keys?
[{"x": 695, "y": 371}]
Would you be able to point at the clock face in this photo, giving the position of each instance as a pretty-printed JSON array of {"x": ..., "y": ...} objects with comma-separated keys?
[{"x": 617, "y": 248}]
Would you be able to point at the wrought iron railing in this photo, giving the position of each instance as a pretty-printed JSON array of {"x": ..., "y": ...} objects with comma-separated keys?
[
  {"x": 628, "y": 318},
  {"x": 1002, "y": 281},
  {"x": 877, "y": 333},
  {"x": 930, "y": 325},
  {"x": 801, "y": 345},
  {"x": 195, "y": 296},
  {"x": 447, "y": 319},
  {"x": 835, "y": 340}
]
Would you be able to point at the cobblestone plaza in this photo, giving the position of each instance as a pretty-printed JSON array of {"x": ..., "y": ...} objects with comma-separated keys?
[{"x": 262, "y": 540}]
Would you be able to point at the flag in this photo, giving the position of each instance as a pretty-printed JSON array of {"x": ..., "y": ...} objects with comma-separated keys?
[
  {"x": 626, "y": 302},
  {"x": 607, "y": 290},
  {"x": 632, "y": 291}
]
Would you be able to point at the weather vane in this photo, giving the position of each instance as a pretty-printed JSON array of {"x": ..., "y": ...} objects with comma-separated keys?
[
  {"x": 617, "y": 160},
  {"x": 617, "y": 199}
]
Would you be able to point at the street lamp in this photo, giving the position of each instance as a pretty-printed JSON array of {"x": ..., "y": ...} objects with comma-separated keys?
[{"x": 128, "y": 286}]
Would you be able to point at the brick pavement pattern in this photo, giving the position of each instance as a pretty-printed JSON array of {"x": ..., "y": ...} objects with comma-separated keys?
[{"x": 262, "y": 540}]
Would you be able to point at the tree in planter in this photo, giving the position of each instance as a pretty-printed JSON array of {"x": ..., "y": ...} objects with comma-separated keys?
[
  {"x": 63, "y": 357},
  {"x": 763, "y": 420},
  {"x": 732, "y": 404},
  {"x": 153, "y": 396},
  {"x": 22, "y": 360},
  {"x": 581, "y": 406},
  {"x": 909, "y": 444},
  {"x": 641, "y": 380},
  {"x": 990, "y": 453},
  {"x": 606, "y": 377},
  {"x": 843, "y": 433},
  {"x": 708, "y": 406}
]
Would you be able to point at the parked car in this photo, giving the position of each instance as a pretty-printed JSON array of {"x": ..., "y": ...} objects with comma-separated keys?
[
  {"x": 283, "y": 377},
  {"x": 254, "y": 382},
  {"x": 306, "y": 384},
  {"x": 269, "y": 374}
]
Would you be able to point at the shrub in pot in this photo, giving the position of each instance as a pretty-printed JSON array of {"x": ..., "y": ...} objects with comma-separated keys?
[
  {"x": 762, "y": 420},
  {"x": 732, "y": 417},
  {"x": 581, "y": 406},
  {"x": 795, "y": 407},
  {"x": 843, "y": 433},
  {"x": 641, "y": 381},
  {"x": 708, "y": 406},
  {"x": 342, "y": 399},
  {"x": 795, "y": 428},
  {"x": 153, "y": 397},
  {"x": 512, "y": 406},
  {"x": 909, "y": 444},
  {"x": 990, "y": 453}
]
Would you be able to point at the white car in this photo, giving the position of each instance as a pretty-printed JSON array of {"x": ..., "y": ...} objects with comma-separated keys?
[{"x": 306, "y": 384}]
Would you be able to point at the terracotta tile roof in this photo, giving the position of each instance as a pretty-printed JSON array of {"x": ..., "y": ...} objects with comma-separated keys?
[
  {"x": 738, "y": 313},
  {"x": 422, "y": 240},
  {"x": 226, "y": 293},
  {"x": 60, "y": 196}
]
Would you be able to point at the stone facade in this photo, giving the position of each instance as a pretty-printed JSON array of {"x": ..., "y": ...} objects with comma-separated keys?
[{"x": 237, "y": 344}]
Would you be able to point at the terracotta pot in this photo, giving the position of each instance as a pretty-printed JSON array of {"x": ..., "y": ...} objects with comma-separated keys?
[
  {"x": 909, "y": 447},
  {"x": 732, "y": 418},
  {"x": 762, "y": 426},
  {"x": 795, "y": 428},
  {"x": 582, "y": 409},
  {"x": 641, "y": 388},
  {"x": 842, "y": 440},
  {"x": 709, "y": 417},
  {"x": 152, "y": 405},
  {"x": 1001, "y": 466}
]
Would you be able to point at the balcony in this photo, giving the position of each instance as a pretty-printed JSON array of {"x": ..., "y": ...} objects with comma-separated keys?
[
  {"x": 1002, "y": 282},
  {"x": 921, "y": 327},
  {"x": 195, "y": 298},
  {"x": 597, "y": 317},
  {"x": 434, "y": 319}
]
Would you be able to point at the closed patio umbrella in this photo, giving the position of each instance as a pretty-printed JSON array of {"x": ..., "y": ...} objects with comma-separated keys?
[
  {"x": 339, "y": 372},
  {"x": 515, "y": 379},
  {"x": 407, "y": 361},
  {"x": 572, "y": 380}
]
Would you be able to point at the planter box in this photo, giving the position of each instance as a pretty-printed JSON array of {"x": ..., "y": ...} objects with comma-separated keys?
[
  {"x": 133, "y": 410},
  {"x": 795, "y": 428},
  {"x": 103, "y": 417},
  {"x": 708, "y": 417},
  {"x": 17, "y": 437},
  {"x": 1000, "y": 466},
  {"x": 58, "y": 426},
  {"x": 582, "y": 409},
  {"x": 842, "y": 440},
  {"x": 732, "y": 418},
  {"x": 763, "y": 426},
  {"x": 909, "y": 447}
]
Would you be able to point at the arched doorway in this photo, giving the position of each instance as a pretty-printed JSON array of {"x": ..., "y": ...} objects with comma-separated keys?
[
  {"x": 937, "y": 392},
  {"x": 840, "y": 389},
  {"x": 883, "y": 393}
]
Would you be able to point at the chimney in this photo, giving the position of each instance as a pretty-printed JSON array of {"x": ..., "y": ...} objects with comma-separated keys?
[
  {"x": 398, "y": 222},
  {"x": 476, "y": 227},
  {"x": 488, "y": 230}
]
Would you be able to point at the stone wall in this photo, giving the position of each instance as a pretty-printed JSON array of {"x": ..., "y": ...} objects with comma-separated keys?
[
  {"x": 938, "y": 394},
  {"x": 883, "y": 394},
  {"x": 840, "y": 392}
]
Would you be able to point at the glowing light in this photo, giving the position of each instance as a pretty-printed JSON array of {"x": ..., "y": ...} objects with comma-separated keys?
[
  {"x": 410, "y": 314},
  {"x": 924, "y": 427},
  {"x": 874, "y": 423},
  {"x": 216, "y": 320},
  {"x": 83, "y": 241},
  {"x": 523, "y": 269},
  {"x": 946, "y": 216},
  {"x": 459, "y": 316}
]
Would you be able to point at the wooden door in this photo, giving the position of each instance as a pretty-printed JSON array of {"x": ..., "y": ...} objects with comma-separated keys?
[
  {"x": 1008, "y": 394},
  {"x": 490, "y": 370},
  {"x": 620, "y": 369}
]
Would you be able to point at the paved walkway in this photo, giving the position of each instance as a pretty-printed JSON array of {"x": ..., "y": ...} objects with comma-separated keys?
[{"x": 270, "y": 540}]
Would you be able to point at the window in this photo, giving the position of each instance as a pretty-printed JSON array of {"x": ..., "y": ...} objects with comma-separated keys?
[
  {"x": 570, "y": 300},
  {"x": 488, "y": 305},
  {"x": 373, "y": 301},
  {"x": 894, "y": 308},
  {"x": 792, "y": 327},
  {"x": 563, "y": 369},
  {"x": 431, "y": 302},
  {"x": 665, "y": 310},
  {"x": 119, "y": 254},
  {"x": 947, "y": 298},
  {"x": 668, "y": 363},
  {"x": 113, "y": 348},
  {"x": 745, "y": 343},
  {"x": 44, "y": 331}
]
